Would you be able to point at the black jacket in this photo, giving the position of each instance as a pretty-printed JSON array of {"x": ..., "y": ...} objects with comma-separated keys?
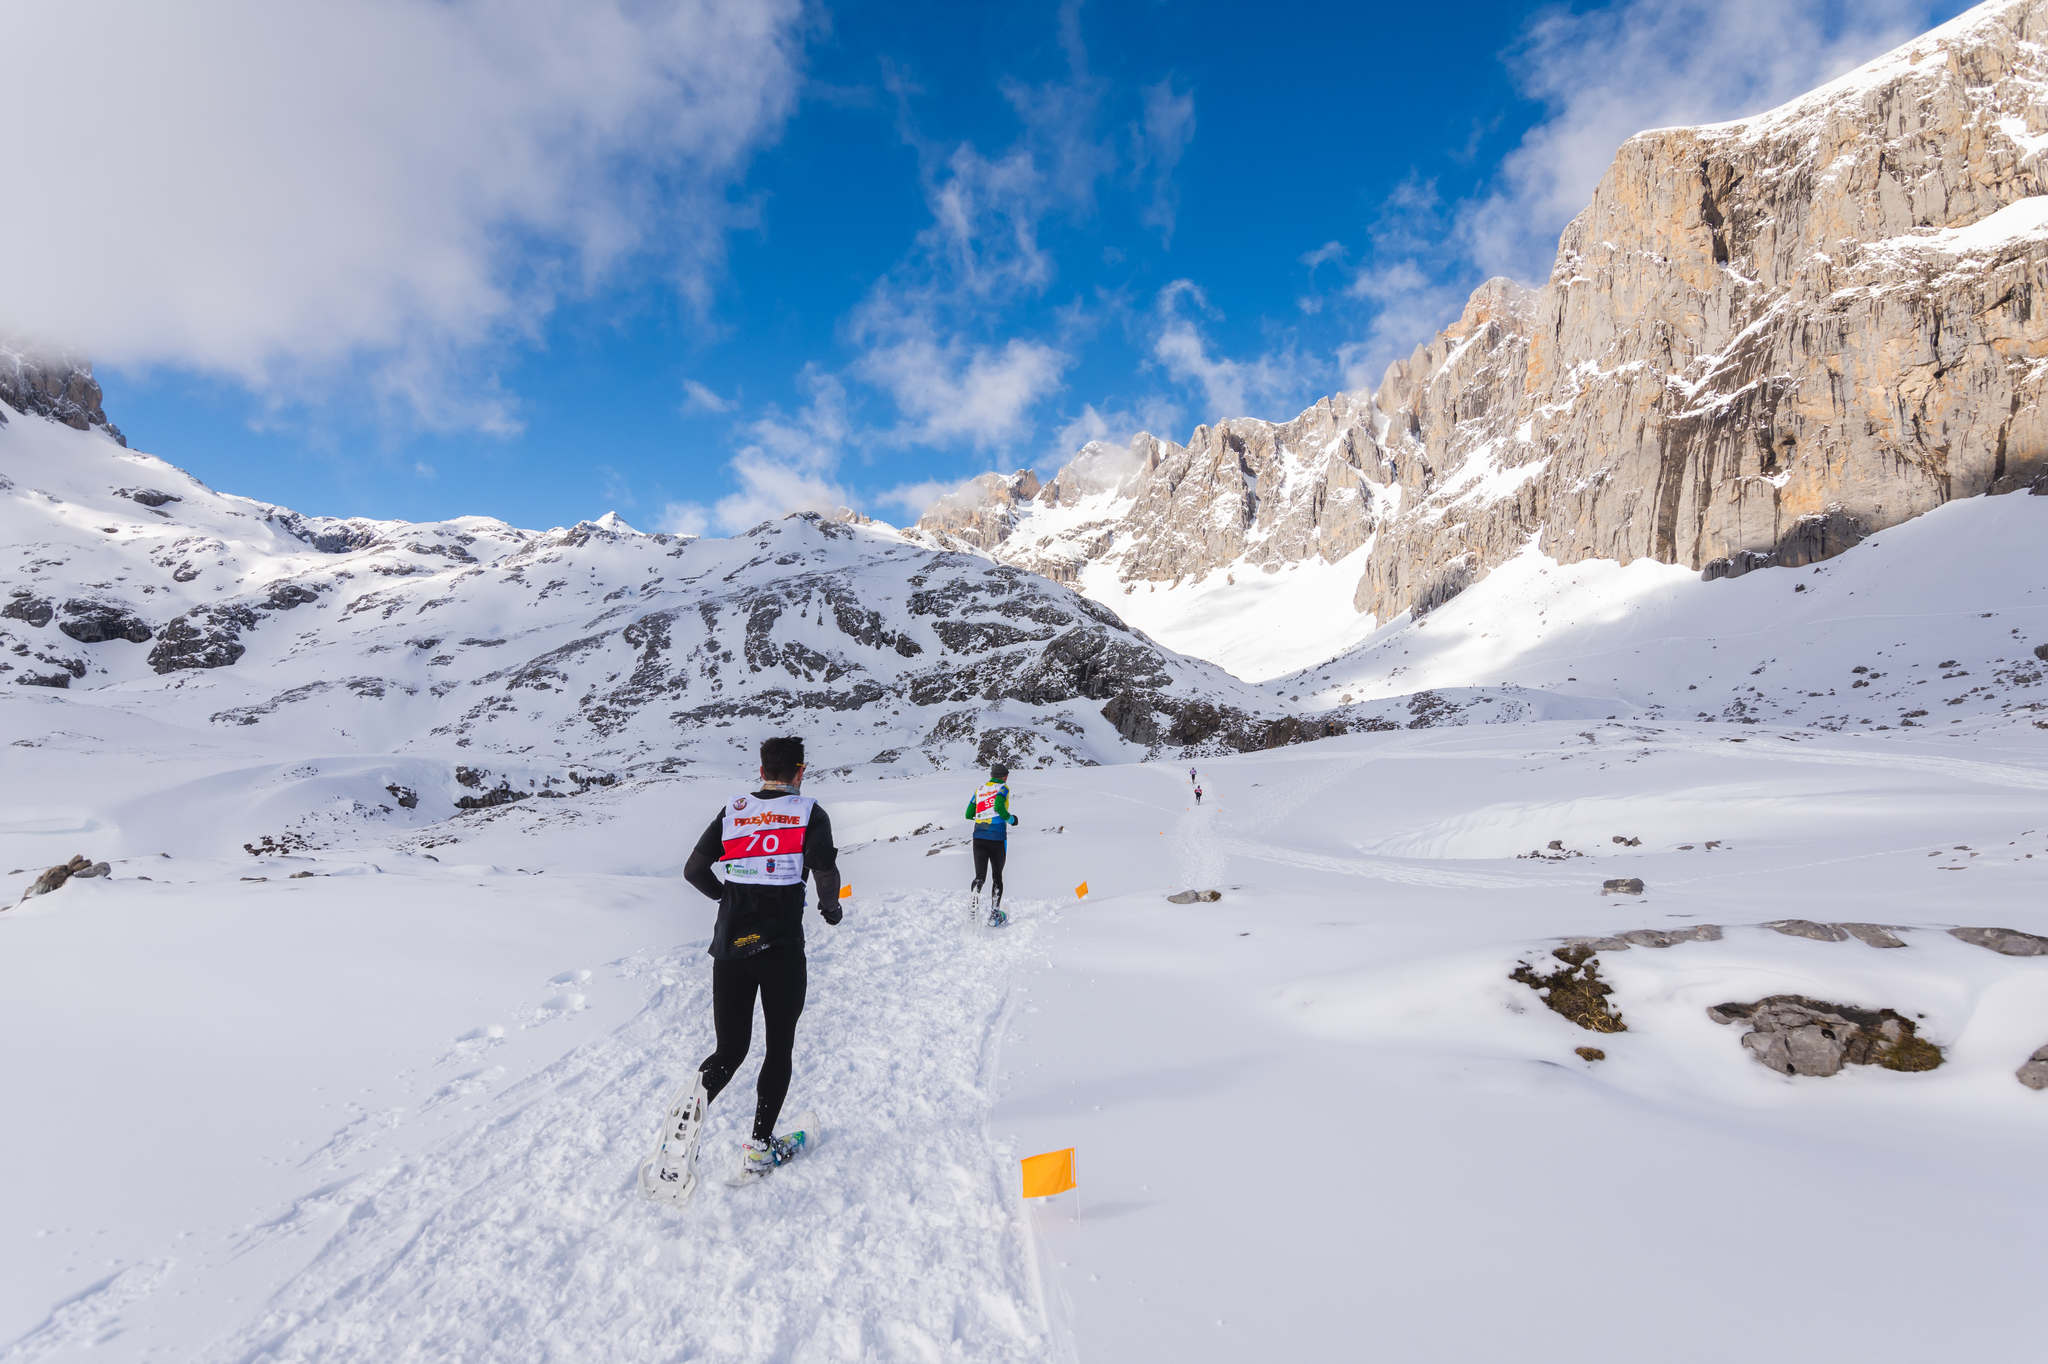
[{"x": 755, "y": 918}]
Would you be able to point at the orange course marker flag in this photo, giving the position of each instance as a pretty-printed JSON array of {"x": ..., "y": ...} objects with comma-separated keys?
[
  {"x": 846, "y": 892},
  {"x": 1048, "y": 1174},
  {"x": 1081, "y": 891}
]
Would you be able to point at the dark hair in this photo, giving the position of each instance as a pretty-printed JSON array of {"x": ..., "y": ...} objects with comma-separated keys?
[
  {"x": 780, "y": 758},
  {"x": 999, "y": 772}
]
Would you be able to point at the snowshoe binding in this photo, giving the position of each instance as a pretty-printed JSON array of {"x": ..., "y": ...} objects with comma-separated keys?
[{"x": 759, "y": 1159}]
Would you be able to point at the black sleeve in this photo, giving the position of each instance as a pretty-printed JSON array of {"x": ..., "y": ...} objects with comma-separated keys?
[
  {"x": 821, "y": 857},
  {"x": 697, "y": 871}
]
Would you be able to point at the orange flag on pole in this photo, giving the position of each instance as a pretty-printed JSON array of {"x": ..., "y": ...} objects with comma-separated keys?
[
  {"x": 846, "y": 892},
  {"x": 1081, "y": 891},
  {"x": 1048, "y": 1174}
]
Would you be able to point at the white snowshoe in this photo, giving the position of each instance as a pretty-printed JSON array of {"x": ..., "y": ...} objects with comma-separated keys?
[{"x": 670, "y": 1174}]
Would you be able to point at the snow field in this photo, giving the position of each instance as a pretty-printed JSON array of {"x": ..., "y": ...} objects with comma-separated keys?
[
  {"x": 394, "y": 1110},
  {"x": 1316, "y": 1118},
  {"x": 490, "y": 1211}
]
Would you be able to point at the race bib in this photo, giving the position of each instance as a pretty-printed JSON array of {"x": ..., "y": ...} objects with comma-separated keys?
[
  {"x": 764, "y": 840},
  {"x": 985, "y": 803}
]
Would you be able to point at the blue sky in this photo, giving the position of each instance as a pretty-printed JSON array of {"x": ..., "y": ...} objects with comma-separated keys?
[{"x": 538, "y": 259}]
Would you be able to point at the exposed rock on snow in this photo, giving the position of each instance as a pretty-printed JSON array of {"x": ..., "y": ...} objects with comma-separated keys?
[
  {"x": 95, "y": 622},
  {"x": 2008, "y": 942},
  {"x": 1794, "y": 1035},
  {"x": 28, "y": 608},
  {"x": 1649, "y": 937},
  {"x": 1192, "y": 897},
  {"x": 78, "y": 868},
  {"x": 1807, "y": 928},
  {"x": 1873, "y": 935},
  {"x": 1870, "y": 935},
  {"x": 2034, "y": 1073},
  {"x": 206, "y": 637},
  {"x": 1622, "y": 885},
  {"x": 61, "y": 389}
]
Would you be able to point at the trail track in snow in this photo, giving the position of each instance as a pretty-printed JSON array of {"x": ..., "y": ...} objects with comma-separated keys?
[{"x": 524, "y": 1237}]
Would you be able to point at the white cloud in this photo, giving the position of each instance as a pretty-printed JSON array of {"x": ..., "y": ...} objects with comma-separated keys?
[
  {"x": 1323, "y": 255},
  {"x": 915, "y": 499},
  {"x": 765, "y": 489},
  {"x": 699, "y": 398},
  {"x": 1160, "y": 416},
  {"x": 787, "y": 465},
  {"x": 949, "y": 389},
  {"x": 684, "y": 518},
  {"x": 285, "y": 192},
  {"x": 1168, "y": 127},
  {"x": 1230, "y": 388}
]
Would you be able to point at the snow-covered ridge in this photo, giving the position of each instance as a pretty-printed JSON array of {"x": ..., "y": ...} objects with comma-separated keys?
[{"x": 125, "y": 582}]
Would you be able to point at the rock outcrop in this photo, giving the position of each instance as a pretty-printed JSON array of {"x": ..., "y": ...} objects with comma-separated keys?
[
  {"x": 1794, "y": 1035},
  {"x": 79, "y": 868},
  {"x": 59, "y": 388},
  {"x": 1761, "y": 342}
]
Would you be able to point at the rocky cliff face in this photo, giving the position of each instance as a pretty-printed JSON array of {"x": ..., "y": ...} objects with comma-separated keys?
[
  {"x": 1241, "y": 492},
  {"x": 1760, "y": 342},
  {"x": 61, "y": 389}
]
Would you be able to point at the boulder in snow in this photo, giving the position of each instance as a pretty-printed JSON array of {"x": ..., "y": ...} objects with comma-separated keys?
[
  {"x": 1807, "y": 928},
  {"x": 1794, "y": 1035},
  {"x": 1873, "y": 935},
  {"x": 27, "y": 607},
  {"x": 55, "y": 877},
  {"x": 1190, "y": 897},
  {"x": 2008, "y": 942},
  {"x": 96, "y": 622},
  {"x": 2034, "y": 1074},
  {"x": 1622, "y": 885}
]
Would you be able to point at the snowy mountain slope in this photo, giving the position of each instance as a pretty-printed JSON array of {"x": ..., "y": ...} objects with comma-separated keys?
[
  {"x": 1941, "y": 623},
  {"x": 595, "y": 645},
  {"x": 1760, "y": 342}
]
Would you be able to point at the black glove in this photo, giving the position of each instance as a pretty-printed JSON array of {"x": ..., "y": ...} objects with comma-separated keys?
[{"x": 833, "y": 914}]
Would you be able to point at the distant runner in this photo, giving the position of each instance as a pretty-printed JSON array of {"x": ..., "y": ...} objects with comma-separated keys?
[
  {"x": 763, "y": 844},
  {"x": 1198, "y": 795},
  {"x": 989, "y": 808}
]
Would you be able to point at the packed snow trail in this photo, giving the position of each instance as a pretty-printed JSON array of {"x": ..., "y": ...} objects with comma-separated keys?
[{"x": 525, "y": 1237}]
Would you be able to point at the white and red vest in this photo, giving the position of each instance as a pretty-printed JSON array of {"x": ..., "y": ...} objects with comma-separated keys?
[
  {"x": 764, "y": 840},
  {"x": 985, "y": 803}
]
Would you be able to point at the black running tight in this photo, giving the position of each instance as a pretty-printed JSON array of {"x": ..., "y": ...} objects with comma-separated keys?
[
  {"x": 988, "y": 857},
  {"x": 778, "y": 977}
]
